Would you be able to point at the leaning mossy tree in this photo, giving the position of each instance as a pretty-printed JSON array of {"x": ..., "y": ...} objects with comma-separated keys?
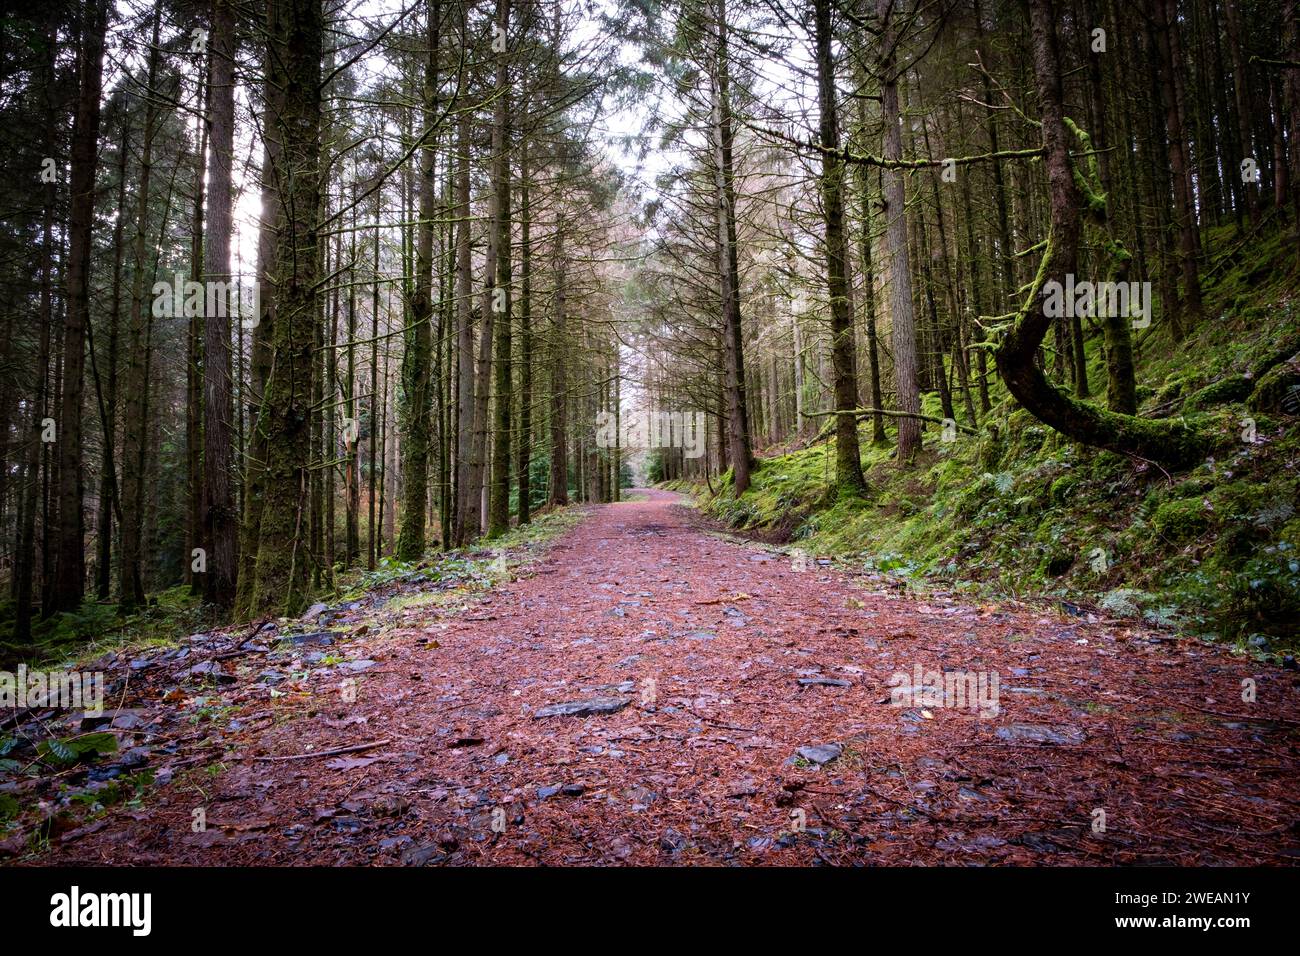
[{"x": 1172, "y": 443}]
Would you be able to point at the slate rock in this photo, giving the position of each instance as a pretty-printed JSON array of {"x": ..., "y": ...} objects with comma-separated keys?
[
  {"x": 135, "y": 757},
  {"x": 1041, "y": 734},
  {"x": 626, "y": 687},
  {"x": 672, "y": 842},
  {"x": 823, "y": 682},
  {"x": 422, "y": 855},
  {"x": 356, "y": 667},
  {"x": 820, "y": 753},
  {"x": 584, "y": 708},
  {"x": 321, "y": 638},
  {"x": 313, "y": 612},
  {"x": 130, "y": 719},
  {"x": 209, "y": 670},
  {"x": 641, "y": 798}
]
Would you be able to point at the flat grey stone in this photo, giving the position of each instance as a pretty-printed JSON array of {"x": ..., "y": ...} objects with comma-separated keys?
[
  {"x": 323, "y": 638},
  {"x": 315, "y": 611},
  {"x": 584, "y": 708},
  {"x": 1041, "y": 734},
  {"x": 820, "y": 753},
  {"x": 209, "y": 670}
]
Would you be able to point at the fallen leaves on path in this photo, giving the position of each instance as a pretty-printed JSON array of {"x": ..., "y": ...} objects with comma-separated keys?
[{"x": 616, "y": 705}]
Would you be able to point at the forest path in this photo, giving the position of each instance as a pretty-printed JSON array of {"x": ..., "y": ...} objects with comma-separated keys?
[{"x": 697, "y": 647}]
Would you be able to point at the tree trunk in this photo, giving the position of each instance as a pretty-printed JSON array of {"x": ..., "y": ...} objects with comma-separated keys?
[
  {"x": 738, "y": 432},
  {"x": 260, "y": 361},
  {"x": 525, "y": 453},
  {"x": 1171, "y": 443},
  {"x": 500, "y": 301},
  {"x": 220, "y": 526},
  {"x": 130, "y": 581},
  {"x": 1171, "y": 62},
  {"x": 559, "y": 477},
  {"x": 900, "y": 271},
  {"x": 194, "y": 355},
  {"x": 417, "y": 399},
  {"x": 108, "y": 470},
  {"x": 70, "y": 568},
  {"x": 293, "y": 65},
  {"x": 467, "y": 524}
]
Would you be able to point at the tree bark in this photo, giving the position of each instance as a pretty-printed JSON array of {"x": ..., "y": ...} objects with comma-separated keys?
[
  {"x": 900, "y": 271},
  {"x": 294, "y": 66},
  {"x": 738, "y": 431},
  {"x": 500, "y": 300},
  {"x": 417, "y": 398},
  {"x": 220, "y": 526},
  {"x": 467, "y": 522},
  {"x": 130, "y": 581},
  {"x": 70, "y": 566},
  {"x": 1169, "y": 442}
]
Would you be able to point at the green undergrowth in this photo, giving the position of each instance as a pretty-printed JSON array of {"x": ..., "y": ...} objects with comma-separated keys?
[
  {"x": 1019, "y": 510},
  {"x": 477, "y": 566},
  {"x": 96, "y": 629}
]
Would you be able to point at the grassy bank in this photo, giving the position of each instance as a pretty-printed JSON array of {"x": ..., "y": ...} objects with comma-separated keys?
[{"x": 1018, "y": 509}]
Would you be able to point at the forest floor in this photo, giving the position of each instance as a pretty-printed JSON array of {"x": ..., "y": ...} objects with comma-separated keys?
[{"x": 743, "y": 715}]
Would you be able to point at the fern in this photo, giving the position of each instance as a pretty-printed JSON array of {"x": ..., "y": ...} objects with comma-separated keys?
[
  {"x": 57, "y": 751},
  {"x": 67, "y": 751}
]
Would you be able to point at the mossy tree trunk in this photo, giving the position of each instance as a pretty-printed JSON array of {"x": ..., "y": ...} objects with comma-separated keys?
[
  {"x": 293, "y": 65},
  {"x": 1172, "y": 443},
  {"x": 500, "y": 301},
  {"x": 259, "y": 366},
  {"x": 417, "y": 397},
  {"x": 848, "y": 459},
  {"x": 466, "y": 504},
  {"x": 525, "y": 449}
]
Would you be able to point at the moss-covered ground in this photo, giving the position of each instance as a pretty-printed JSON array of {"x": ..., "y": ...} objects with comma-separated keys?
[{"x": 1019, "y": 510}]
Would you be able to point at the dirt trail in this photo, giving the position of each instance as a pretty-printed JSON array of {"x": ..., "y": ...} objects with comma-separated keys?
[{"x": 698, "y": 646}]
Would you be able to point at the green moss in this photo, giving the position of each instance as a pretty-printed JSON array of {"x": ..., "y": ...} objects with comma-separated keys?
[
  {"x": 1181, "y": 520},
  {"x": 1278, "y": 391},
  {"x": 1234, "y": 388},
  {"x": 1018, "y": 508},
  {"x": 1062, "y": 488}
]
